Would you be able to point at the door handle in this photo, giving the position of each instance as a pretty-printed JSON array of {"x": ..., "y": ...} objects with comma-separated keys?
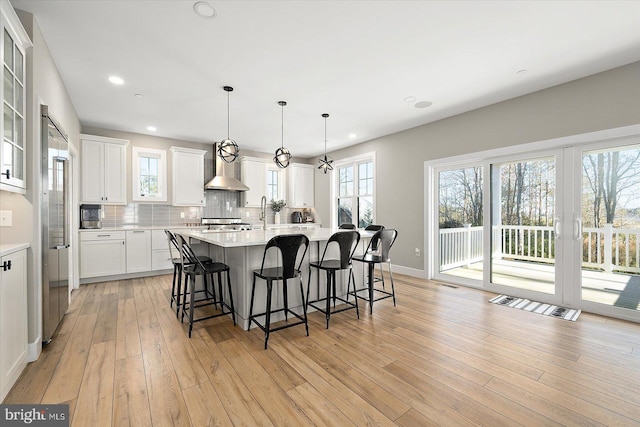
[
  {"x": 577, "y": 226},
  {"x": 557, "y": 229},
  {"x": 7, "y": 174},
  {"x": 6, "y": 265}
]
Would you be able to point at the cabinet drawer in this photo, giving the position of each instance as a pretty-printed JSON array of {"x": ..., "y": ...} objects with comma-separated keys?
[
  {"x": 102, "y": 235},
  {"x": 161, "y": 260},
  {"x": 159, "y": 240}
]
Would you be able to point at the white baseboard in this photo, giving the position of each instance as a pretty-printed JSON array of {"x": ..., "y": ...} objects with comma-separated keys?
[
  {"x": 408, "y": 271},
  {"x": 34, "y": 349}
]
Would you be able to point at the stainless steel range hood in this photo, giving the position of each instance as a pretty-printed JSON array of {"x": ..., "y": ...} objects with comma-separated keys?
[{"x": 224, "y": 175}]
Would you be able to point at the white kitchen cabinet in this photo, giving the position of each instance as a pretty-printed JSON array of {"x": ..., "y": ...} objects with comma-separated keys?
[
  {"x": 104, "y": 172},
  {"x": 160, "y": 253},
  {"x": 102, "y": 253},
  {"x": 187, "y": 176},
  {"x": 13, "y": 318},
  {"x": 253, "y": 174},
  {"x": 138, "y": 250},
  {"x": 300, "y": 185},
  {"x": 13, "y": 156}
]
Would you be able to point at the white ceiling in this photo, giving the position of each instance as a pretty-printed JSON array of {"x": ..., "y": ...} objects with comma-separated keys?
[{"x": 356, "y": 60}]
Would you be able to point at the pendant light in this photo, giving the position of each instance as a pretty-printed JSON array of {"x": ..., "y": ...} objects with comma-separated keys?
[
  {"x": 283, "y": 155},
  {"x": 228, "y": 149},
  {"x": 326, "y": 164}
]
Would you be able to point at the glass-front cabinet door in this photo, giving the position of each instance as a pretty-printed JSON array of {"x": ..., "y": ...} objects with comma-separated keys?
[{"x": 12, "y": 150}]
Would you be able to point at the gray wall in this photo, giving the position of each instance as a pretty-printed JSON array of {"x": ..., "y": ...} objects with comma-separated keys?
[
  {"x": 43, "y": 85},
  {"x": 602, "y": 101}
]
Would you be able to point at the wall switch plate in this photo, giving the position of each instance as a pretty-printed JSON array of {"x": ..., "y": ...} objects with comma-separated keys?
[
  {"x": 6, "y": 218},
  {"x": 182, "y": 215},
  {"x": 417, "y": 251},
  {"x": 247, "y": 214}
]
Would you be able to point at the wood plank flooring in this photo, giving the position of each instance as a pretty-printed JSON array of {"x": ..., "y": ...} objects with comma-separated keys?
[{"x": 443, "y": 356}]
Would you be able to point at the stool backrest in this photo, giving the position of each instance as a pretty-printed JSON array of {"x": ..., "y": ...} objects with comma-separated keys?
[
  {"x": 187, "y": 255},
  {"x": 374, "y": 239},
  {"x": 289, "y": 247},
  {"x": 347, "y": 226},
  {"x": 174, "y": 246},
  {"x": 385, "y": 240},
  {"x": 348, "y": 242}
]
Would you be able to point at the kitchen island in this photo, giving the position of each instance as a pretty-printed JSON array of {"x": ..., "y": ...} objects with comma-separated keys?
[{"x": 242, "y": 251}]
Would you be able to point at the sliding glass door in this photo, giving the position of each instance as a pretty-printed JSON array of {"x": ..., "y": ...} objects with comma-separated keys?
[
  {"x": 609, "y": 206},
  {"x": 560, "y": 226},
  {"x": 523, "y": 223}
]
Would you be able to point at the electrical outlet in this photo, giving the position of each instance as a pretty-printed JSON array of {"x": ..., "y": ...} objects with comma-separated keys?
[
  {"x": 247, "y": 214},
  {"x": 417, "y": 251},
  {"x": 182, "y": 215},
  {"x": 6, "y": 218}
]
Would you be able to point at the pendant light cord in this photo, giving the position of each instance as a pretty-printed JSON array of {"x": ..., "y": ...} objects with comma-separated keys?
[
  {"x": 325, "y": 137},
  {"x": 282, "y": 116},
  {"x": 228, "y": 114}
]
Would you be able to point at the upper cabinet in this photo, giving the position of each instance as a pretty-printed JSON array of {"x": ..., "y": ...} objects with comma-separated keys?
[
  {"x": 300, "y": 185},
  {"x": 253, "y": 173},
  {"x": 103, "y": 165},
  {"x": 14, "y": 42},
  {"x": 187, "y": 176}
]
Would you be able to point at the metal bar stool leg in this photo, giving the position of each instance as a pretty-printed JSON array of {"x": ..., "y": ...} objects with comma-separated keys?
[
  {"x": 253, "y": 294},
  {"x": 285, "y": 296},
  {"x": 371, "y": 270},
  {"x": 233, "y": 307},
  {"x": 304, "y": 306},
  {"x": 267, "y": 322}
]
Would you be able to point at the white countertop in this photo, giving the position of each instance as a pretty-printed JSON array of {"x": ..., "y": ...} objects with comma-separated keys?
[
  {"x": 261, "y": 237},
  {"x": 9, "y": 248}
]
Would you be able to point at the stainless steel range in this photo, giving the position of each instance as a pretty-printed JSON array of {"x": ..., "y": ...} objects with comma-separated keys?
[{"x": 224, "y": 224}]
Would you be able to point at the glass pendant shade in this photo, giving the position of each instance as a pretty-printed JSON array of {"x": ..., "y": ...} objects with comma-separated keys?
[
  {"x": 283, "y": 156},
  {"x": 228, "y": 149},
  {"x": 325, "y": 164}
]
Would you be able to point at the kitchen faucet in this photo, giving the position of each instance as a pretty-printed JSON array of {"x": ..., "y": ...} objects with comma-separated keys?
[{"x": 263, "y": 212}]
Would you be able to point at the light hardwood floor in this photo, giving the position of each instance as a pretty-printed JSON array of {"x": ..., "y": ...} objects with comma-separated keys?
[{"x": 443, "y": 356}]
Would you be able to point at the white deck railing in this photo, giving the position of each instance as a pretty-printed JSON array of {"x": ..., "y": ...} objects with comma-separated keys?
[{"x": 606, "y": 248}]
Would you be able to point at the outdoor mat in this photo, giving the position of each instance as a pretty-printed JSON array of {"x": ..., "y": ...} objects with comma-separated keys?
[{"x": 537, "y": 307}]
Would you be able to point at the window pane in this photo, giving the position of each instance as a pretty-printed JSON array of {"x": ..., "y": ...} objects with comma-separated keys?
[
  {"x": 153, "y": 186},
  {"x": 8, "y": 87},
  {"x": 144, "y": 166},
  {"x": 19, "y": 136},
  {"x": 7, "y": 157},
  {"x": 18, "y": 98},
  {"x": 18, "y": 65},
  {"x": 8, "y": 124},
  {"x": 365, "y": 211},
  {"x": 8, "y": 50},
  {"x": 153, "y": 166},
  {"x": 346, "y": 181},
  {"x": 144, "y": 185},
  {"x": 345, "y": 215}
]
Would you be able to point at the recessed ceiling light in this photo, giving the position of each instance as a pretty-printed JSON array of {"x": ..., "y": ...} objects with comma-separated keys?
[
  {"x": 423, "y": 104},
  {"x": 204, "y": 9},
  {"x": 116, "y": 80},
  {"x": 151, "y": 128},
  {"x": 521, "y": 71},
  {"x": 352, "y": 135},
  {"x": 410, "y": 99}
]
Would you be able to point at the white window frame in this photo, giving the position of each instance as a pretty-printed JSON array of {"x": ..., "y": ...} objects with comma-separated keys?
[
  {"x": 161, "y": 155},
  {"x": 335, "y": 182},
  {"x": 280, "y": 182}
]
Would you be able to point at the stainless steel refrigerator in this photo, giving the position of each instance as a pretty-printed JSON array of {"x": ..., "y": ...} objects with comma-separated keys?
[{"x": 55, "y": 224}]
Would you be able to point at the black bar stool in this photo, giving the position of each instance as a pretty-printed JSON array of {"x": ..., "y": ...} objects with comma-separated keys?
[
  {"x": 347, "y": 242},
  {"x": 176, "y": 260},
  {"x": 374, "y": 248},
  {"x": 384, "y": 239},
  {"x": 289, "y": 247},
  {"x": 193, "y": 267},
  {"x": 347, "y": 226}
]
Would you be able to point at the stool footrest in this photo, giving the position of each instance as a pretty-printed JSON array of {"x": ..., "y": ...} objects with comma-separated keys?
[
  {"x": 386, "y": 293},
  {"x": 277, "y": 328},
  {"x": 350, "y": 305}
]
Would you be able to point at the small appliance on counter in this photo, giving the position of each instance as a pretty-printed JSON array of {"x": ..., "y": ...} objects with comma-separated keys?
[
  {"x": 296, "y": 217},
  {"x": 90, "y": 217},
  {"x": 216, "y": 225}
]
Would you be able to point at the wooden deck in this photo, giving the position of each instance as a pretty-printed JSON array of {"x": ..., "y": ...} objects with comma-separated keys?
[
  {"x": 443, "y": 356},
  {"x": 615, "y": 289}
]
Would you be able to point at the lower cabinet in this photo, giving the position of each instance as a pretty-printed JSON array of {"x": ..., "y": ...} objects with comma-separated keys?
[
  {"x": 13, "y": 319},
  {"x": 138, "y": 251},
  {"x": 102, "y": 253},
  {"x": 160, "y": 254}
]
